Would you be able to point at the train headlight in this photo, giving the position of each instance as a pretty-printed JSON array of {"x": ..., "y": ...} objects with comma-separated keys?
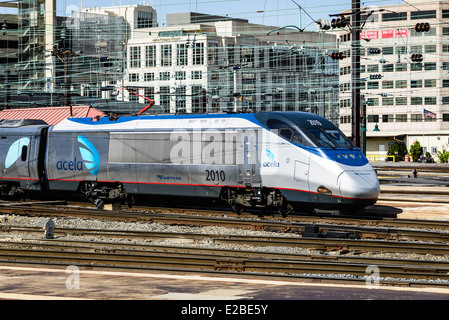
[{"x": 324, "y": 190}]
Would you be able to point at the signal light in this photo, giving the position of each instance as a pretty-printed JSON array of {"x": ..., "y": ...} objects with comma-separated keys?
[
  {"x": 339, "y": 23},
  {"x": 375, "y": 76},
  {"x": 417, "y": 57},
  {"x": 422, "y": 27},
  {"x": 337, "y": 56},
  {"x": 374, "y": 50}
]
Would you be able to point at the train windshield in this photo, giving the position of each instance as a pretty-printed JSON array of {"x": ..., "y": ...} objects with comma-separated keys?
[{"x": 330, "y": 138}]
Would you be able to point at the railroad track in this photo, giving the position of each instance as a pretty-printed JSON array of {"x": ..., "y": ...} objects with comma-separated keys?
[
  {"x": 110, "y": 256},
  {"x": 337, "y": 242}
]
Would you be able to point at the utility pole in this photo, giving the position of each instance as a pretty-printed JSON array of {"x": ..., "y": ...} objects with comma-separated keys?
[{"x": 355, "y": 75}]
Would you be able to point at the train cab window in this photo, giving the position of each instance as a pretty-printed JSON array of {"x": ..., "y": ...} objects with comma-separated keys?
[
  {"x": 288, "y": 132},
  {"x": 339, "y": 139},
  {"x": 321, "y": 138},
  {"x": 331, "y": 138}
]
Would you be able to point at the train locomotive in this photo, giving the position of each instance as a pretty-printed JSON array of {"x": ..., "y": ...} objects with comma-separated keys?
[{"x": 281, "y": 161}]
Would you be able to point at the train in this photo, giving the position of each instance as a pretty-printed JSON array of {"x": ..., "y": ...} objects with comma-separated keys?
[{"x": 266, "y": 161}]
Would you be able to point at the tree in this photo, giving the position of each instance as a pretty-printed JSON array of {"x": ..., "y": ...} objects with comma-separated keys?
[
  {"x": 443, "y": 155},
  {"x": 415, "y": 151},
  {"x": 398, "y": 150}
]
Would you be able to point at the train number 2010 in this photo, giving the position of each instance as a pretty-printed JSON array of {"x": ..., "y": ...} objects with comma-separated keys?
[{"x": 215, "y": 175}]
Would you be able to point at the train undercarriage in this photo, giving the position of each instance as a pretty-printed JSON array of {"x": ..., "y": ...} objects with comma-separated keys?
[{"x": 255, "y": 197}]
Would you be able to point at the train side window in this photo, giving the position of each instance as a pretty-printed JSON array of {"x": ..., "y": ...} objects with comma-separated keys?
[{"x": 23, "y": 157}]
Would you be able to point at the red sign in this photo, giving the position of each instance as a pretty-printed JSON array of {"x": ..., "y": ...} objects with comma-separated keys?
[
  {"x": 387, "y": 34},
  {"x": 401, "y": 33},
  {"x": 369, "y": 35}
]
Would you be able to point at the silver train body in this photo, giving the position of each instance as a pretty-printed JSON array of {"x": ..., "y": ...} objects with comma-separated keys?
[{"x": 267, "y": 160}]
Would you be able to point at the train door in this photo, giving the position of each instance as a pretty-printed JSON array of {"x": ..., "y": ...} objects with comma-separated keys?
[
  {"x": 301, "y": 174},
  {"x": 247, "y": 161},
  {"x": 22, "y": 149}
]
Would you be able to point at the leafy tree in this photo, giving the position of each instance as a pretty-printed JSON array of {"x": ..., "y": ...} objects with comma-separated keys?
[
  {"x": 398, "y": 150},
  {"x": 443, "y": 155},
  {"x": 415, "y": 150}
]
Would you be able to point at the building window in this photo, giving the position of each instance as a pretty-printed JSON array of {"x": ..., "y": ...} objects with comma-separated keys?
[
  {"x": 445, "y": 48},
  {"x": 181, "y": 54},
  {"x": 181, "y": 99},
  {"x": 430, "y": 48},
  {"x": 198, "y": 99},
  {"x": 423, "y": 14},
  {"x": 401, "y": 118},
  {"x": 180, "y": 75},
  {"x": 415, "y": 101},
  {"x": 415, "y": 49},
  {"x": 144, "y": 19},
  {"x": 133, "y": 77},
  {"x": 198, "y": 53},
  {"x": 445, "y": 100},
  {"x": 165, "y": 98},
  {"x": 388, "y": 50},
  {"x": 430, "y": 83},
  {"x": 445, "y": 117},
  {"x": 401, "y": 101},
  {"x": 373, "y": 85},
  {"x": 416, "y": 117},
  {"x": 164, "y": 76},
  {"x": 150, "y": 56},
  {"x": 373, "y": 118},
  {"x": 134, "y": 61},
  {"x": 429, "y": 66},
  {"x": 401, "y": 67},
  {"x": 401, "y": 84},
  {"x": 372, "y": 68},
  {"x": 212, "y": 53},
  {"x": 416, "y": 66},
  {"x": 197, "y": 75},
  {"x": 430, "y": 100},
  {"x": 149, "y": 76},
  {"x": 445, "y": 83},
  {"x": 388, "y": 84},
  {"x": 387, "y": 101},
  {"x": 394, "y": 16},
  {"x": 387, "y": 118},
  {"x": 415, "y": 83},
  {"x": 445, "y": 31},
  {"x": 372, "y": 102},
  {"x": 166, "y": 55},
  {"x": 445, "y": 65}
]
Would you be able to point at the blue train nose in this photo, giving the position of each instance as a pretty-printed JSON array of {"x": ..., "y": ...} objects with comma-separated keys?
[{"x": 359, "y": 184}]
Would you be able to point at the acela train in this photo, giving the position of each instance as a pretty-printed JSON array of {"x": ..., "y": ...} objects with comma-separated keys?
[{"x": 269, "y": 160}]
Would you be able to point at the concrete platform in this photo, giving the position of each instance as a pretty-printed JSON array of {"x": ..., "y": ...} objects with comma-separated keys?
[{"x": 27, "y": 283}]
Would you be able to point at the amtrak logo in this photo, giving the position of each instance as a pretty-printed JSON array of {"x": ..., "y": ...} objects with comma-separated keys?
[
  {"x": 15, "y": 151},
  {"x": 90, "y": 155},
  {"x": 272, "y": 163}
]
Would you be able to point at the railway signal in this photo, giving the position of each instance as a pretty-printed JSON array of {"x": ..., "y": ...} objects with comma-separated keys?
[
  {"x": 374, "y": 50},
  {"x": 337, "y": 56},
  {"x": 339, "y": 23},
  {"x": 417, "y": 57},
  {"x": 422, "y": 27}
]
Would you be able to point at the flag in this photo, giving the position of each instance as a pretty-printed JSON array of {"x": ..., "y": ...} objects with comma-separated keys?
[{"x": 429, "y": 114}]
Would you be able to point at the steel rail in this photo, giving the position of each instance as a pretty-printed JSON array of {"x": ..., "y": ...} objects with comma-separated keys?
[{"x": 188, "y": 262}]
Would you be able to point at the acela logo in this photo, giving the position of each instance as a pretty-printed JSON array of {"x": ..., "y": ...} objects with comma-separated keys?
[
  {"x": 270, "y": 157},
  {"x": 90, "y": 157}
]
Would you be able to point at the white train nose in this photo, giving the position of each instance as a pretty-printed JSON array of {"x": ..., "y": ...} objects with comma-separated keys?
[{"x": 359, "y": 184}]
